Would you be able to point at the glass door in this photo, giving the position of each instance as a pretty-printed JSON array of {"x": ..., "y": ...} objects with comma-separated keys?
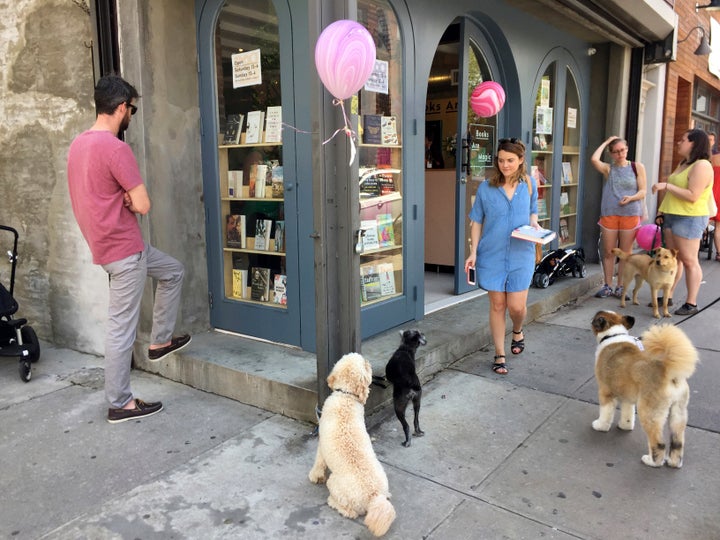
[
  {"x": 249, "y": 172},
  {"x": 475, "y": 153}
]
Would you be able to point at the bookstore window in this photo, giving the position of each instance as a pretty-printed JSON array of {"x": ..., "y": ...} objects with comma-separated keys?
[
  {"x": 250, "y": 153},
  {"x": 380, "y": 122}
]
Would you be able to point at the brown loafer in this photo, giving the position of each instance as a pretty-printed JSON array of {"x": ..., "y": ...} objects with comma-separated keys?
[{"x": 176, "y": 343}]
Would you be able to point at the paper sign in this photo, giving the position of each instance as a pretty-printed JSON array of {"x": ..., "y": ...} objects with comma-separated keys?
[
  {"x": 378, "y": 81},
  {"x": 571, "y": 118},
  {"x": 246, "y": 69}
]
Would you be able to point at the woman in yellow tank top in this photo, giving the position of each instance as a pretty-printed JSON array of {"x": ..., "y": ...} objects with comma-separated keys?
[{"x": 684, "y": 206}]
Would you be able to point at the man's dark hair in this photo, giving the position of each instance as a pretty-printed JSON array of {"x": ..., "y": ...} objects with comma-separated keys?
[{"x": 111, "y": 91}]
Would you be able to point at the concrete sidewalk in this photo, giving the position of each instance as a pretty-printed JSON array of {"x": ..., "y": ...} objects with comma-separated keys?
[{"x": 503, "y": 456}]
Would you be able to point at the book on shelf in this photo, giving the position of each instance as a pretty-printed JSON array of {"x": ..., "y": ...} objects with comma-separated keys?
[
  {"x": 564, "y": 202},
  {"x": 253, "y": 133},
  {"x": 386, "y": 183},
  {"x": 273, "y": 124},
  {"x": 261, "y": 174},
  {"x": 235, "y": 181},
  {"x": 531, "y": 234},
  {"x": 542, "y": 209},
  {"x": 370, "y": 234},
  {"x": 236, "y": 233},
  {"x": 280, "y": 236},
  {"x": 260, "y": 284},
  {"x": 387, "y": 278},
  {"x": 567, "y": 174},
  {"x": 369, "y": 283},
  {"x": 369, "y": 187},
  {"x": 263, "y": 227},
  {"x": 372, "y": 129},
  {"x": 278, "y": 184},
  {"x": 280, "y": 289},
  {"x": 386, "y": 230},
  {"x": 233, "y": 128},
  {"x": 239, "y": 282},
  {"x": 388, "y": 129},
  {"x": 564, "y": 231}
]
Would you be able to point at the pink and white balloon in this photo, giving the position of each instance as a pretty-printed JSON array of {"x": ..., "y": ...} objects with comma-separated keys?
[
  {"x": 344, "y": 57},
  {"x": 487, "y": 99}
]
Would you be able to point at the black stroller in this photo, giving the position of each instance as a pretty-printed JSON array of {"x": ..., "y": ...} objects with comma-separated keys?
[
  {"x": 16, "y": 338},
  {"x": 559, "y": 263}
]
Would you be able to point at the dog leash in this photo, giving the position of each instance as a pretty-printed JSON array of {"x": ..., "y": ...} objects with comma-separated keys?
[{"x": 660, "y": 222}]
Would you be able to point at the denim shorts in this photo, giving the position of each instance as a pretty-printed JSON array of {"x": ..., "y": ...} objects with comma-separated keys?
[{"x": 690, "y": 227}]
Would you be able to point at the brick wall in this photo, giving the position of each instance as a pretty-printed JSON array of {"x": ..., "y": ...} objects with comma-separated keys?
[{"x": 681, "y": 78}]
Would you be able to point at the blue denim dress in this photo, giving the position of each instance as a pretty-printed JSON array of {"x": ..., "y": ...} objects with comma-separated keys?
[{"x": 503, "y": 263}]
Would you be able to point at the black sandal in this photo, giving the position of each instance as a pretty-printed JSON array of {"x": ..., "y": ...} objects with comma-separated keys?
[
  {"x": 517, "y": 345},
  {"x": 497, "y": 366}
]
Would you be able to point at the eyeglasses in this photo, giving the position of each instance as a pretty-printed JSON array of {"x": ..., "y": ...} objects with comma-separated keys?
[
  {"x": 512, "y": 141},
  {"x": 619, "y": 151},
  {"x": 133, "y": 108}
]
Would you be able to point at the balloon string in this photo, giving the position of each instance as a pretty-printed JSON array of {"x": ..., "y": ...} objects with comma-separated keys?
[
  {"x": 345, "y": 129},
  {"x": 296, "y": 129}
]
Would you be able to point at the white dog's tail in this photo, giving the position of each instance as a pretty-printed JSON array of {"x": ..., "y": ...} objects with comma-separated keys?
[
  {"x": 380, "y": 515},
  {"x": 668, "y": 344}
]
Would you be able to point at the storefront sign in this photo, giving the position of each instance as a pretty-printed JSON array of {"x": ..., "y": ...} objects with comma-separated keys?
[
  {"x": 246, "y": 69},
  {"x": 482, "y": 145}
]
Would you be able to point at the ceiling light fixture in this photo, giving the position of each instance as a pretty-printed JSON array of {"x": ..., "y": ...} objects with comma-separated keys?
[{"x": 704, "y": 47}]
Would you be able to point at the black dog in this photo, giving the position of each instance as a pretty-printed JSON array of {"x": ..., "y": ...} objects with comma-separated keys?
[{"x": 400, "y": 371}]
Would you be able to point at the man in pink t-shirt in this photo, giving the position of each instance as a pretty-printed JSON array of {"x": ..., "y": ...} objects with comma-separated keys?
[{"x": 107, "y": 192}]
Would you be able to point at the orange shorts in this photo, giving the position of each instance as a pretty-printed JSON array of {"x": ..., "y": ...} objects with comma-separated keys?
[{"x": 620, "y": 223}]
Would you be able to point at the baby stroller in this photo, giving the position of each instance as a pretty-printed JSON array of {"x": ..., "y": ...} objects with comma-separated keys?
[
  {"x": 16, "y": 338},
  {"x": 558, "y": 263}
]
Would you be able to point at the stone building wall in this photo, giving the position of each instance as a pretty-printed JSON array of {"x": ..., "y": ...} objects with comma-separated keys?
[{"x": 46, "y": 85}]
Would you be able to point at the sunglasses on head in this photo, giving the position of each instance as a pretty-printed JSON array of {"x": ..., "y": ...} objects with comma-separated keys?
[
  {"x": 513, "y": 140},
  {"x": 133, "y": 108}
]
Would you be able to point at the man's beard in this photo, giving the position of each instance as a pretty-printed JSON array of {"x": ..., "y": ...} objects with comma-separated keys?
[{"x": 124, "y": 125}]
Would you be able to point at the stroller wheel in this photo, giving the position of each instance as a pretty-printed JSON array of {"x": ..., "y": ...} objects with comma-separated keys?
[
  {"x": 25, "y": 371},
  {"x": 31, "y": 340},
  {"x": 581, "y": 270},
  {"x": 542, "y": 281}
]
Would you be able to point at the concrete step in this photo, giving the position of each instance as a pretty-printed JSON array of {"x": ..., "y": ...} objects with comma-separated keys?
[{"x": 283, "y": 379}]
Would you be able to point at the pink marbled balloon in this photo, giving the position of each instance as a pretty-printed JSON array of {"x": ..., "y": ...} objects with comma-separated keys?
[
  {"x": 487, "y": 99},
  {"x": 649, "y": 237},
  {"x": 344, "y": 57}
]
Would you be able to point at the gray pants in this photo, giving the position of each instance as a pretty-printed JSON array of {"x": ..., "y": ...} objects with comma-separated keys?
[{"x": 127, "y": 282}]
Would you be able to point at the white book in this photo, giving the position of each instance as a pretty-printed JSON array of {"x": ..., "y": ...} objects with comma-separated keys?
[
  {"x": 567, "y": 176},
  {"x": 260, "y": 181},
  {"x": 531, "y": 234},
  {"x": 370, "y": 238},
  {"x": 262, "y": 234},
  {"x": 387, "y": 278},
  {"x": 254, "y": 127},
  {"x": 273, "y": 124}
]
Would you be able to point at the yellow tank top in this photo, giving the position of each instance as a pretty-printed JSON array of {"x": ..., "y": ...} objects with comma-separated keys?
[{"x": 680, "y": 207}]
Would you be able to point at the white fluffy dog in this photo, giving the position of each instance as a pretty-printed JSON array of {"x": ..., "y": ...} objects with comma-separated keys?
[{"x": 357, "y": 481}]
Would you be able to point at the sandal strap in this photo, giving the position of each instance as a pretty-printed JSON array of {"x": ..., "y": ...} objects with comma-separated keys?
[
  {"x": 499, "y": 356},
  {"x": 518, "y": 332}
]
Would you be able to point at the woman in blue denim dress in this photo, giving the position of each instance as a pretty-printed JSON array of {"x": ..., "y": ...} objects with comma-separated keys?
[{"x": 504, "y": 265}]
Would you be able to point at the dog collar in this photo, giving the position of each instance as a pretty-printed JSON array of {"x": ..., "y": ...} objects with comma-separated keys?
[
  {"x": 348, "y": 393},
  {"x": 636, "y": 340},
  {"x": 611, "y": 336}
]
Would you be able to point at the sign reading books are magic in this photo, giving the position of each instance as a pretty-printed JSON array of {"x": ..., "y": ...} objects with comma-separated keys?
[{"x": 482, "y": 146}]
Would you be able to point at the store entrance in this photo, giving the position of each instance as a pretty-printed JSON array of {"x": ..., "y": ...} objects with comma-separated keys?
[{"x": 458, "y": 147}]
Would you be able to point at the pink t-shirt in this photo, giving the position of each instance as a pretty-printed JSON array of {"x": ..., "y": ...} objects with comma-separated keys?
[{"x": 101, "y": 168}]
